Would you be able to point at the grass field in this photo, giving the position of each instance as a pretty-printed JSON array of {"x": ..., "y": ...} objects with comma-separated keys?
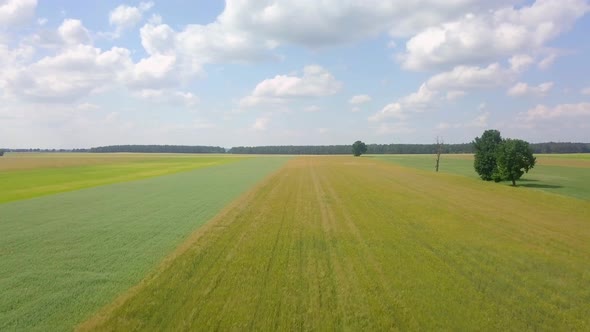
[
  {"x": 63, "y": 256},
  {"x": 27, "y": 175},
  {"x": 564, "y": 174},
  {"x": 343, "y": 243}
]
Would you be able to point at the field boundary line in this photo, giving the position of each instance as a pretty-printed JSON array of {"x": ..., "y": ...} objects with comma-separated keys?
[{"x": 95, "y": 319}]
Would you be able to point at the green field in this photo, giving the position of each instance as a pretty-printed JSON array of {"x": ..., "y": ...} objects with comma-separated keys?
[
  {"x": 27, "y": 175},
  {"x": 343, "y": 243},
  {"x": 63, "y": 256},
  {"x": 564, "y": 174}
]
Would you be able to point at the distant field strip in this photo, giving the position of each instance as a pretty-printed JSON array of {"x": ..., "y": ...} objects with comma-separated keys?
[
  {"x": 64, "y": 256},
  {"x": 564, "y": 174},
  {"x": 25, "y": 175},
  {"x": 343, "y": 243}
]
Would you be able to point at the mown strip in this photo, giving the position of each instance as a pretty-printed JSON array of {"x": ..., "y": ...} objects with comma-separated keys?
[
  {"x": 342, "y": 243},
  {"x": 26, "y": 176},
  {"x": 64, "y": 256}
]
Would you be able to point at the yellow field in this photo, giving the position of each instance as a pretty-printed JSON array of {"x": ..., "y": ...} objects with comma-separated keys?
[{"x": 360, "y": 244}]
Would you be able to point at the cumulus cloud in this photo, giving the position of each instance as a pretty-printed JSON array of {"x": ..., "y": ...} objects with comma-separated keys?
[
  {"x": 125, "y": 17},
  {"x": 470, "y": 77},
  {"x": 359, "y": 99},
  {"x": 485, "y": 37},
  {"x": 14, "y": 12},
  {"x": 315, "y": 82},
  {"x": 336, "y": 22},
  {"x": 523, "y": 89},
  {"x": 73, "y": 32},
  {"x": 521, "y": 62},
  {"x": 69, "y": 75},
  {"x": 542, "y": 112},
  {"x": 393, "y": 110},
  {"x": 168, "y": 96},
  {"x": 454, "y": 82}
]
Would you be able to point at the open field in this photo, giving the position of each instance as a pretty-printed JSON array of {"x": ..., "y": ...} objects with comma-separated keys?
[
  {"x": 564, "y": 174},
  {"x": 64, "y": 256},
  {"x": 27, "y": 175},
  {"x": 360, "y": 244}
]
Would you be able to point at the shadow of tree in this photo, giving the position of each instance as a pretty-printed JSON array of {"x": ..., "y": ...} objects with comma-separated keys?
[{"x": 540, "y": 186}]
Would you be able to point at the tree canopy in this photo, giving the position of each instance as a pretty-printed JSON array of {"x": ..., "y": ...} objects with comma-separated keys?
[
  {"x": 359, "y": 148},
  {"x": 501, "y": 159},
  {"x": 485, "y": 153},
  {"x": 514, "y": 157}
]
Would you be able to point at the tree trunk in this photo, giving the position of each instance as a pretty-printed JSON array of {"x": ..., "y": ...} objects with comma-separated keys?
[{"x": 513, "y": 182}]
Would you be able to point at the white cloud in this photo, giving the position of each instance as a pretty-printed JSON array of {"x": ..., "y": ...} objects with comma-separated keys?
[
  {"x": 523, "y": 89},
  {"x": 542, "y": 112},
  {"x": 337, "y": 22},
  {"x": 355, "y": 109},
  {"x": 359, "y": 99},
  {"x": 419, "y": 99},
  {"x": 393, "y": 110},
  {"x": 14, "y": 12},
  {"x": 485, "y": 37},
  {"x": 547, "y": 61},
  {"x": 470, "y": 77},
  {"x": 125, "y": 17},
  {"x": 86, "y": 69},
  {"x": 168, "y": 96},
  {"x": 315, "y": 82},
  {"x": 72, "y": 32},
  {"x": 521, "y": 62},
  {"x": 261, "y": 124},
  {"x": 585, "y": 91}
]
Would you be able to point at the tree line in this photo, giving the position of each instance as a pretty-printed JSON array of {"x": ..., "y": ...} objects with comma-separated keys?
[{"x": 549, "y": 147}]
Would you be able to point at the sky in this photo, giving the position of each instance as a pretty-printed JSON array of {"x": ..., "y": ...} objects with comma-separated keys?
[{"x": 76, "y": 74}]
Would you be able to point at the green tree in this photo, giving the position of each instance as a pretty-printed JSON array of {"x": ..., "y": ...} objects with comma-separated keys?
[
  {"x": 359, "y": 148},
  {"x": 514, "y": 157},
  {"x": 485, "y": 153}
]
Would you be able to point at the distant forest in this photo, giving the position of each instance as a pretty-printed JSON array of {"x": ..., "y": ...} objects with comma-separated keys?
[{"x": 550, "y": 147}]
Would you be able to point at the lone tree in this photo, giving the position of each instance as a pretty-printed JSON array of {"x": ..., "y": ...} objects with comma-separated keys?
[
  {"x": 514, "y": 157},
  {"x": 485, "y": 153},
  {"x": 439, "y": 149},
  {"x": 358, "y": 148},
  {"x": 1, "y": 153}
]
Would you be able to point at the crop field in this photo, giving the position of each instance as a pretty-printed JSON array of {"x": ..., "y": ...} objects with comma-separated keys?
[
  {"x": 26, "y": 175},
  {"x": 343, "y": 243},
  {"x": 64, "y": 256},
  {"x": 564, "y": 174}
]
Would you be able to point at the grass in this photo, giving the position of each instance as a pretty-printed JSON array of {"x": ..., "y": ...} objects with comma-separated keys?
[
  {"x": 27, "y": 175},
  {"x": 565, "y": 174},
  {"x": 64, "y": 256},
  {"x": 343, "y": 243}
]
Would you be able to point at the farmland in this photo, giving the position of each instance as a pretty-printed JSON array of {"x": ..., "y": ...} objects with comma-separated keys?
[
  {"x": 363, "y": 244},
  {"x": 65, "y": 255},
  {"x": 36, "y": 174},
  {"x": 564, "y": 174}
]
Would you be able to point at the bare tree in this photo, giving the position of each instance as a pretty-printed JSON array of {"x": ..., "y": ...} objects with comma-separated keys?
[{"x": 439, "y": 148}]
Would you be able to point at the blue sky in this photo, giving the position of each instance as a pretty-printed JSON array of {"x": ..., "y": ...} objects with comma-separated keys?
[{"x": 81, "y": 74}]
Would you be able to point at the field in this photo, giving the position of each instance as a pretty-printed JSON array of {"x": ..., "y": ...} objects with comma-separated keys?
[
  {"x": 564, "y": 174},
  {"x": 65, "y": 255},
  {"x": 359, "y": 244},
  {"x": 27, "y": 175},
  {"x": 306, "y": 243}
]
